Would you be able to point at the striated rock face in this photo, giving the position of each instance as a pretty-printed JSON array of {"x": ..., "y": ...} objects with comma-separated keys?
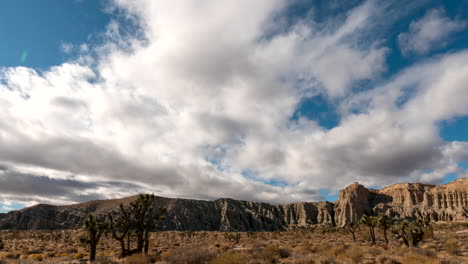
[
  {"x": 354, "y": 201},
  {"x": 415, "y": 200},
  {"x": 406, "y": 200}
]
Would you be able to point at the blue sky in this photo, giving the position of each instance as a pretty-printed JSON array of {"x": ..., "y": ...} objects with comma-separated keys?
[
  {"x": 307, "y": 96},
  {"x": 38, "y": 30}
]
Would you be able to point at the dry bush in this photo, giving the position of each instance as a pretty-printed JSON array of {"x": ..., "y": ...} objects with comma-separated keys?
[
  {"x": 230, "y": 258},
  {"x": 316, "y": 248},
  {"x": 374, "y": 251},
  {"x": 386, "y": 260},
  {"x": 327, "y": 260},
  {"x": 79, "y": 256},
  {"x": 418, "y": 259},
  {"x": 189, "y": 255},
  {"x": 452, "y": 247},
  {"x": 36, "y": 257},
  {"x": 337, "y": 250},
  {"x": 450, "y": 261},
  {"x": 9, "y": 255},
  {"x": 139, "y": 259},
  {"x": 304, "y": 259},
  {"x": 355, "y": 254}
]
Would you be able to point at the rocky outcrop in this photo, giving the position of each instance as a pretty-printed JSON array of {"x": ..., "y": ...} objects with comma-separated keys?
[
  {"x": 406, "y": 200},
  {"x": 415, "y": 200},
  {"x": 354, "y": 201}
]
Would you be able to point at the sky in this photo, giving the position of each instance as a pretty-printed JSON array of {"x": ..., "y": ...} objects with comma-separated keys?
[{"x": 269, "y": 100}]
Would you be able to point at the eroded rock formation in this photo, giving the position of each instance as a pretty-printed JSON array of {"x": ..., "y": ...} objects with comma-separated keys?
[{"x": 406, "y": 200}]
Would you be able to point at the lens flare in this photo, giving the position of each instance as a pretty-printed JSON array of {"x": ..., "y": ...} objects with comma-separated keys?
[{"x": 24, "y": 56}]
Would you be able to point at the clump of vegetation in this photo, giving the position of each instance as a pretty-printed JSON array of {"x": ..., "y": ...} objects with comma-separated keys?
[
  {"x": 371, "y": 223},
  {"x": 384, "y": 224},
  {"x": 352, "y": 228},
  {"x": 452, "y": 247},
  {"x": 412, "y": 233},
  {"x": 95, "y": 229},
  {"x": 191, "y": 254},
  {"x": 230, "y": 258},
  {"x": 234, "y": 237},
  {"x": 36, "y": 257},
  {"x": 79, "y": 256},
  {"x": 144, "y": 220}
]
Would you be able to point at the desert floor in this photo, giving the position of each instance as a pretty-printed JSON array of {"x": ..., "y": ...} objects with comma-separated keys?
[{"x": 449, "y": 244}]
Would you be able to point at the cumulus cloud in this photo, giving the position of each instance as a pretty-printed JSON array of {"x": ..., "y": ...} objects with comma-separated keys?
[
  {"x": 199, "y": 104},
  {"x": 432, "y": 31}
]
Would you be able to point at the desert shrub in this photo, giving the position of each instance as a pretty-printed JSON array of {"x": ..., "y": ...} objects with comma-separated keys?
[
  {"x": 79, "y": 256},
  {"x": 452, "y": 247},
  {"x": 337, "y": 249},
  {"x": 50, "y": 254},
  {"x": 189, "y": 255},
  {"x": 139, "y": 259},
  {"x": 9, "y": 255},
  {"x": 72, "y": 251},
  {"x": 327, "y": 260},
  {"x": 230, "y": 258},
  {"x": 270, "y": 254},
  {"x": 418, "y": 259},
  {"x": 36, "y": 257},
  {"x": 304, "y": 259},
  {"x": 450, "y": 261},
  {"x": 225, "y": 247},
  {"x": 424, "y": 252},
  {"x": 63, "y": 255},
  {"x": 374, "y": 251},
  {"x": 386, "y": 260},
  {"x": 319, "y": 247},
  {"x": 104, "y": 260},
  {"x": 355, "y": 254}
]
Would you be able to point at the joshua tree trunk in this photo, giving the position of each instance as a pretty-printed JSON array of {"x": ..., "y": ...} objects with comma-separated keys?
[
  {"x": 372, "y": 234},
  {"x": 92, "y": 251},
  {"x": 122, "y": 247},
  {"x": 146, "y": 242}
]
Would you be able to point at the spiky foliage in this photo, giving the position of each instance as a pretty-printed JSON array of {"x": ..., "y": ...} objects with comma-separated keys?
[
  {"x": 371, "y": 223},
  {"x": 233, "y": 237},
  {"x": 120, "y": 226},
  {"x": 95, "y": 229},
  {"x": 2, "y": 245},
  {"x": 352, "y": 228},
  {"x": 412, "y": 233},
  {"x": 384, "y": 224},
  {"x": 145, "y": 219}
]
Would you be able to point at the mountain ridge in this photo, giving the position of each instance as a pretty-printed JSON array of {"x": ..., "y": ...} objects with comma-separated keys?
[{"x": 447, "y": 202}]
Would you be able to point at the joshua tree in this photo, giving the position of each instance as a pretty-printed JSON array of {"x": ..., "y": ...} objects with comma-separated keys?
[
  {"x": 383, "y": 222},
  {"x": 95, "y": 230},
  {"x": 352, "y": 228},
  {"x": 144, "y": 219},
  {"x": 412, "y": 233},
  {"x": 234, "y": 237},
  {"x": 370, "y": 222},
  {"x": 120, "y": 227},
  {"x": 2, "y": 246}
]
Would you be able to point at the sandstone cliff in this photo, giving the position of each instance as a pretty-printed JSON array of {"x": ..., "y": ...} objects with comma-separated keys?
[{"x": 406, "y": 200}]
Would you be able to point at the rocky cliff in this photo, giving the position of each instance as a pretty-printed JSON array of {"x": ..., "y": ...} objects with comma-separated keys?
[{"x": 406, "y": 200}]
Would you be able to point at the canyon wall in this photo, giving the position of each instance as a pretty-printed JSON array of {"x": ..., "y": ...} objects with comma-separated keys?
[{"x": 405, "y": 200}]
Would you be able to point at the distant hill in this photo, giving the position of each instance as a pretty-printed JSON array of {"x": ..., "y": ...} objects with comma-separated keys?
[{"x": 404, "y": 200}]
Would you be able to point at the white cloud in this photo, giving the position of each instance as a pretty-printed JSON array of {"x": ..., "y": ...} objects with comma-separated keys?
[
  {"x": 430, "y": 32},
  {"x": 66, "y": 47},
  {"x": 207, "y": 94}
]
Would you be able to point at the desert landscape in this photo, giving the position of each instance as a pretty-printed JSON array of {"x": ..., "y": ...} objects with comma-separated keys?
[
  {"x": 403, "y": 223},
  {"x": 234, "y": 131}
]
